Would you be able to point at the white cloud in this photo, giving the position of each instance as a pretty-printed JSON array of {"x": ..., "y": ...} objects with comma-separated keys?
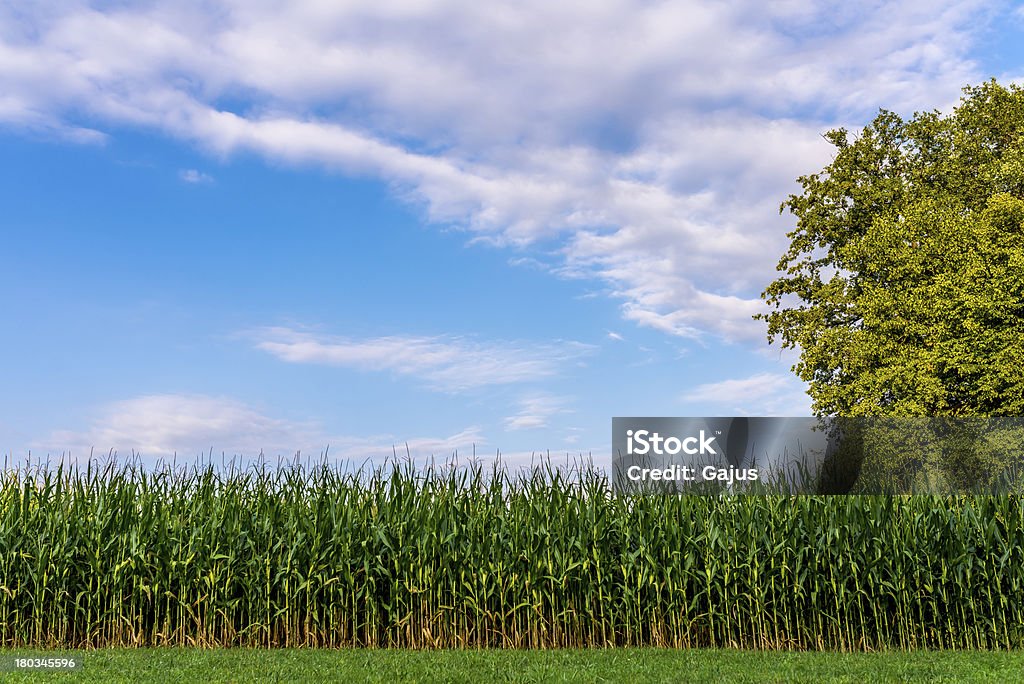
[
  {"x": 570, "y": 459},
  {"x": 653, "y": 141},
  {"x": 377, "y": 449},
  {"x": 161, "y": 426},
  {"x": 535, "y": 412},
  {"x": 612, "y": 335},
  {"x": 754, "y": 387},
  {"x": 194, "y": 177},
  {"x": 448, "y": 363},
  {"x": 760, "y": 394}
]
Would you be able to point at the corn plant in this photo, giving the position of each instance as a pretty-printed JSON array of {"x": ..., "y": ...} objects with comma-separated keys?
[{"x": 469, "y": 557}]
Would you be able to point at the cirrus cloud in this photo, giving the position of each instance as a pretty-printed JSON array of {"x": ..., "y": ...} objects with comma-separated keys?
[
  {"x": 758, "y": 394},
  {"x": 447, "y": 363}
]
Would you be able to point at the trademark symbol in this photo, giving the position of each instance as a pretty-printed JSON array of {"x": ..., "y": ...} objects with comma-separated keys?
[{"x": 718, "y": 432}]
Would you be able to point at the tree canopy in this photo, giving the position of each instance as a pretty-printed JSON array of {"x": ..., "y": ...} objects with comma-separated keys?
[{"x": 903, "y": 284}]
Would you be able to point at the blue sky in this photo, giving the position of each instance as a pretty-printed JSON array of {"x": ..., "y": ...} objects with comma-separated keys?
[{"x": 241, "y": 225}]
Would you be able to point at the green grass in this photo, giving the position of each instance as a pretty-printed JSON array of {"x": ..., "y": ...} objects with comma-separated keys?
[
  {"x": 174, "y": 665},
  {"x": 118, "y": 556}
]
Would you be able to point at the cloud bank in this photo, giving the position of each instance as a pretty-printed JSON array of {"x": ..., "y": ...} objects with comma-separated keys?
[
  {"x": 189, "y": 426},
  {"x": 646, "y": 145}
]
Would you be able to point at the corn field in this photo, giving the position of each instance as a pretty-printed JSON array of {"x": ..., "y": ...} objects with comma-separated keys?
[{"x": 468, "y": 557}]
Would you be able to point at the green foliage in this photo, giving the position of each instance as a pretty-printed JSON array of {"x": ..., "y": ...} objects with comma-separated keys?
[
  {"x": 903, "y": 285},
  {"x": 937, "y": 455},
  {"x": 462, "y": 558}
]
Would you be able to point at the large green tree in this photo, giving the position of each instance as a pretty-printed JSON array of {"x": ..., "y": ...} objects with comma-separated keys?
[{"x": 903, "y": 285}]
